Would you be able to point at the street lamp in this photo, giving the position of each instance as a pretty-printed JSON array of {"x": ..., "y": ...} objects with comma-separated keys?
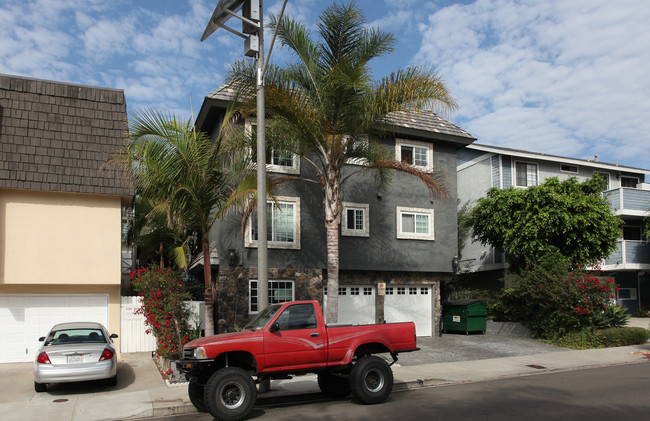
[{"x": 250, "y": 12}]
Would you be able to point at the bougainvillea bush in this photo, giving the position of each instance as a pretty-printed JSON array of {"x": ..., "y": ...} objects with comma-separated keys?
[
  {"x": 553, "y": 300},
  {"x": 165, "y": 308}
]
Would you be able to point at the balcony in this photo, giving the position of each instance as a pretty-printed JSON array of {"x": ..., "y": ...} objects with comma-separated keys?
[
  {"x": 629, "y": 201},
  {"x": 629, "y": 255}
]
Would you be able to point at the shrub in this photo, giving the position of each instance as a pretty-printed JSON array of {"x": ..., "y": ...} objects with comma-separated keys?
[
  {"x": 583, "y": 339},
  {"x": 164, "y": 308},
  {"x": 611, "y": 316},
  {"x": 623, "y": 336},
  {"x": 552, "y": 300},
  {"x": 643, "y": 311}
]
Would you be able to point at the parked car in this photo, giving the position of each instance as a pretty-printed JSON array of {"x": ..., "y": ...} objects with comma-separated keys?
[
  {"x": 286, "y": 340},
  {"x": 74, "y": 352}
]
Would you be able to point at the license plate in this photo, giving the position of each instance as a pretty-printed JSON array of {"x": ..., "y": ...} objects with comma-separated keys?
[{"x": 73, "y": 359}]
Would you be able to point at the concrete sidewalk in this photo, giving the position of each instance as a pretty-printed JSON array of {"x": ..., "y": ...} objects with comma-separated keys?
[{"x": 142, "y": 393}]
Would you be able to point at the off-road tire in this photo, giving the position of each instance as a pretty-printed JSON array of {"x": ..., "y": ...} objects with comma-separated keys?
[
  {"x": 230, "y": 394},
  {"x": 40, "y": 387},
  {"x": 333, "y": 386},
  {"x": 371, "y": 380},
  {"x": 197, "y": 393}
]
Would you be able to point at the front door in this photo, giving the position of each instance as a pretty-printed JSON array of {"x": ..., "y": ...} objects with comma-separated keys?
[{"x": 298, "y": 342}]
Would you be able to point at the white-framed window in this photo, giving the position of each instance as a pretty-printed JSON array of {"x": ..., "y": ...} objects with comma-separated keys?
[
  {"x": 627, "y": 181},
  {"x": 624, "y": 294},
  {"x": 278, "y": 160},
  {"x": 525, "y": 174},
  {"x": 605, "y": 175},
  {"x": 571, "y": 169},
  {"x": 279, "y": 292},
  {"x": 631, "y": 233},
  {"x": 283, "y": 224},
  {"x": 418, "y": 154},
  {"x": 356, "y": 219},
  {"x": 415, "y": 223},
  {"x": 362, "y": 141}
]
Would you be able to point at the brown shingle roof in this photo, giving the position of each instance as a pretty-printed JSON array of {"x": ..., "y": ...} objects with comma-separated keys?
[{"x": 56, "y": 136}]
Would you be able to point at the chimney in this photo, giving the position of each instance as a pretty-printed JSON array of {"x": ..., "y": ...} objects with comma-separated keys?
[{"x": 596, "y": 158}]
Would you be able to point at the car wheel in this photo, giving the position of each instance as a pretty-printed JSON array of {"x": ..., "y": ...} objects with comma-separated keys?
[
  {"x": 230, "y": 394},
  {"x": 371, "y": 380},
  {"x": 333, "y": 386},
  {"x": 40, "y": 387},
  {"x": 112, "y": 381},
  {"x": 197, "y": 392}
]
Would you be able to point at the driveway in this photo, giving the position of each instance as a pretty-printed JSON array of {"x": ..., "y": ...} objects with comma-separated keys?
[{"x": 460, "y": 347}]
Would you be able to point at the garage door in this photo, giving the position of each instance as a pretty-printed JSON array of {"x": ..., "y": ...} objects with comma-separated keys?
[
  {"x": 410, "y": 303},
  {"x": 356, "y": 304},
  {"x": 25, "y": 318}
]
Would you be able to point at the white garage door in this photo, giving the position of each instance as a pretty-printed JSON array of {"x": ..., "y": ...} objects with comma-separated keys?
[
  {"x": 410, "y": 303},
  {"x": 25, "y": 318},
  {"x": 356, "y": 304}
]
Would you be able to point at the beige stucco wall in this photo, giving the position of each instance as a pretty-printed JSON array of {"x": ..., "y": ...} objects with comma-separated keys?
[{"x": 59, "y": 238}]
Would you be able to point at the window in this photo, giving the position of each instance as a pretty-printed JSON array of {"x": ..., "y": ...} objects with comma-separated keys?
[
  {"x": 343, "y": 291},
  {"x": 418, "y": 154},
  {"x": 413, "y": 291},
  {"x": 626, "y": 294},
  {"x": 354, "y": 291},
  {"x": 573, "y": 169},
  {"x": 279, "y": 292},
  {"x": 283, "y": 224},
  {"x": 297, "y": 316},
  {"x": 424, "y": 291},
  {"x": 632, "y": 232},
  {"x": 355, "y": 219},
  {"x": 629, "y": 181},
  {"x": 525, "y": 174},
  {"x": 367, "y": 291},
  {"x": 358, "y": 146},
  {"x": 605, "y": 176},
  {"x": 415, "y": 224},
  {"x": 401, "y": 291},
  {"x": 277, "y": 160},
  {"x": 389, "y": 291}
]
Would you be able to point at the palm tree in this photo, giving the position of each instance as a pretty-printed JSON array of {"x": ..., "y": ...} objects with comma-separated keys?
[
  {"x": 324, "y": 106},
  {"x": 191, "y": 180}
]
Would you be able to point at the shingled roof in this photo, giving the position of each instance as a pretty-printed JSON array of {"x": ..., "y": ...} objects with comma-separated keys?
[
  {"x": 56, "y": 136},
  {"x": 421, "y": 123}
]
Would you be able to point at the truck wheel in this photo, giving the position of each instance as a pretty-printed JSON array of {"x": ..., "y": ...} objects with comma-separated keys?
[
  {"x": 333, "y": 386},
  {"x": 371, "y": 380},
  {"x": 230, "y": 394},
  {"x": 196, "y": 392}
]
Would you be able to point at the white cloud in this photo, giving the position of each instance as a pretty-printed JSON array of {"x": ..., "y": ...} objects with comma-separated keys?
[{"x": 566, "y": 77}]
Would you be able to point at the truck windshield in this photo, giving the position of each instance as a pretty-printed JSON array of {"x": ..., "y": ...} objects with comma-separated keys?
[{"x": 262, "y": 318}]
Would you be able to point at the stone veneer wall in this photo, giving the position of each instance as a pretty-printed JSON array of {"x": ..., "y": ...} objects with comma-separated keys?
[{"x": 233, "y": 285}]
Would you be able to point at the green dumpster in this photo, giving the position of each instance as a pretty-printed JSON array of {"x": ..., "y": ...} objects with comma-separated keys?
[{"x": 464, "y": 316}]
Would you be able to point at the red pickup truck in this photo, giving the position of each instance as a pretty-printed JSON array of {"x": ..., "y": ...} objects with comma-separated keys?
[{"x": 291, "y": 339}]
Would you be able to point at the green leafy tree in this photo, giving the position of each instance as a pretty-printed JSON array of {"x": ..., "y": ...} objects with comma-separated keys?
[
  {"x": 566, "y": 217},
  {"x": 190, "y": 179},
  {"x": 324, "y": 106}
]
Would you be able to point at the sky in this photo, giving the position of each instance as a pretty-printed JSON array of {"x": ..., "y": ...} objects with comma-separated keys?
[{"x": 562, "y": 77}]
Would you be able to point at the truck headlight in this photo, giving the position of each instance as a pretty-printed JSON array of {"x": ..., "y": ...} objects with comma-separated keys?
[{"x": 200, "y": 353}]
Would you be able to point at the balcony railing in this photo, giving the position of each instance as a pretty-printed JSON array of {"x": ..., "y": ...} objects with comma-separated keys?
[
  {"x": 629, "y": 200},
  {"x": 629, "y": 255}
]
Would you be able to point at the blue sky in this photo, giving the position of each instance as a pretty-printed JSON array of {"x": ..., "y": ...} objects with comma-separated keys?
[{"x": 555, "y": 76}]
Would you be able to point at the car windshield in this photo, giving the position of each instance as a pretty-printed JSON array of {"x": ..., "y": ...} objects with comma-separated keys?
[
  {"x": 263, "y": 318},
  {"x": 75, "y": 336}
]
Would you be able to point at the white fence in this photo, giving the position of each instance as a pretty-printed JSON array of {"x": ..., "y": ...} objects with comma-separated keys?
[{"x": 134, "y": 337}]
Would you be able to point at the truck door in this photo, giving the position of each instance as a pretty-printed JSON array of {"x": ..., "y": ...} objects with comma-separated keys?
[{"x": 295, "y": 340}]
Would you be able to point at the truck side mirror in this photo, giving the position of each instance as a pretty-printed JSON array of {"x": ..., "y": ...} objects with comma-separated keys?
[{"x": 275, "y": 327}]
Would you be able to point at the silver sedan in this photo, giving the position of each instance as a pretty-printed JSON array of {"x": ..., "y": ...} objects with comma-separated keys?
[{"x": 74, "y": 352}]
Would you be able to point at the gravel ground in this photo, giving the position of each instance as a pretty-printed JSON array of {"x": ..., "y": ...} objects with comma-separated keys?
[{"x": 460, "y": 347}]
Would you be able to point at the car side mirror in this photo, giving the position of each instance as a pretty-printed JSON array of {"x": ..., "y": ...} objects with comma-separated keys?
[
  {"x": 275, "y": 327},
  {"x": 113, "y": 335},
  {"x": 41, "y": 339}
]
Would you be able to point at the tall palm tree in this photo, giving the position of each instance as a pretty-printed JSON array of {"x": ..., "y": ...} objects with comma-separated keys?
[
  {"x": 324, "y": 106},
  {"x": 191, "y": 180}
]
